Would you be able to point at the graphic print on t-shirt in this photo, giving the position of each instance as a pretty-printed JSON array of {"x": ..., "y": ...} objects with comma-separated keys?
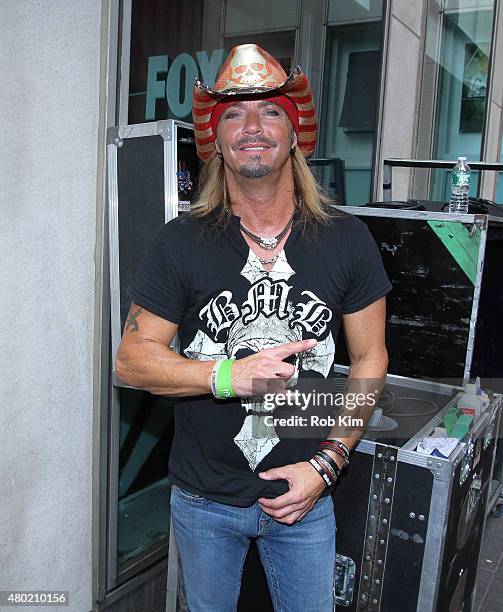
[{"x": 265, "y": 319}]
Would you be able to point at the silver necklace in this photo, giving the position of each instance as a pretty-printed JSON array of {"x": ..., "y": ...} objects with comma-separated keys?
[
  {"x": 268, "y": 242},
  {"x": 272, "y": 260}
]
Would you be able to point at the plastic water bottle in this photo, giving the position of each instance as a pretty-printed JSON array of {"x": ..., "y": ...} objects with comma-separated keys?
[{"x": 460, "y": 187}]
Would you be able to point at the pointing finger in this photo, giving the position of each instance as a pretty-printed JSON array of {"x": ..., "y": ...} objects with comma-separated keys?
[{"x": 290, "y": 348}]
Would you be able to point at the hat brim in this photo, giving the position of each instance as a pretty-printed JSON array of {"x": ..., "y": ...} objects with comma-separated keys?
[{"x": 296, "y": 87}]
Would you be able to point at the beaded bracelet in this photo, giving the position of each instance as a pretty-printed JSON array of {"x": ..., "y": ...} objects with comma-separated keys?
[{"x": 213, "y": 378}]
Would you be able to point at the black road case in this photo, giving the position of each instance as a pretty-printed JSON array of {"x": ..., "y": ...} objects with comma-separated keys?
[
  {"x": 410, "y": 525},
  {"x": 444, "y": 319}
]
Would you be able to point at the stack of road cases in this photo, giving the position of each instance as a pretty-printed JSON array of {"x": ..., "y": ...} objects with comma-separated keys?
[{"x": 411, "y": 525}]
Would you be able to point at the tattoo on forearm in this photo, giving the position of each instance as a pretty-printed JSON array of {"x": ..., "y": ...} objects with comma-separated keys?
[{"x": 132, "y": 323}]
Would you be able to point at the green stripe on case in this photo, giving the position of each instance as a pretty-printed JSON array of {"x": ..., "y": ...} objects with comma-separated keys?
[{"x": 461, "y": 244}]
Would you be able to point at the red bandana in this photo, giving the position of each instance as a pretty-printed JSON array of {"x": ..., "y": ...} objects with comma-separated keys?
[{"x": 284, "y": 101}]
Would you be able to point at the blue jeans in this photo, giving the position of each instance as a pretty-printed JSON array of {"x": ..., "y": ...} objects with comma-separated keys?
[{"x": 213, "y": 540}]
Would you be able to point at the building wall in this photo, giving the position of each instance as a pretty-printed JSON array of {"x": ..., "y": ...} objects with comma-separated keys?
[
  {"x": 49, "y": 104},
  {"x": 401, "y": 91}
]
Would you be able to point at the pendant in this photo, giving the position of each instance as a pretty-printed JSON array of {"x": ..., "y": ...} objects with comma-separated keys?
[
  {"x": 266, "y": 262},
  {"x": 268, "y": 242}
]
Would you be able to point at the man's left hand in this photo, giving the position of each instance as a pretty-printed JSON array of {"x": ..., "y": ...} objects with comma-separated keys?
[{"x": 305, "y": 484}]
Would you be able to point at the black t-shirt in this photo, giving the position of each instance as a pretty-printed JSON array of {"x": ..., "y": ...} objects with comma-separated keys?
[{"x": 212, "y": 285}]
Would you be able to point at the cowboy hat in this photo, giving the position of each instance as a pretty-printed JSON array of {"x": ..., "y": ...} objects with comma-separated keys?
[{"x": 251, "y": 72}]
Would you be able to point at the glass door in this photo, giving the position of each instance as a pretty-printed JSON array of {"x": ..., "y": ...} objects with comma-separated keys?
[
  {"x": 171, "y": 43},
  {"x": 146, "y": 432}
]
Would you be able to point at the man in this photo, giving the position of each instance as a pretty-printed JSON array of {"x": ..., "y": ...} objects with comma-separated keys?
[{"x": 255, "y": 281}]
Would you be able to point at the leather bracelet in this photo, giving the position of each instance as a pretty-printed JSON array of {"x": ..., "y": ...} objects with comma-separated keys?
[
  {"x": 324, "y": 456},
  {"x": 340, "y": 445},
  {"x": 332, "y": 474},
  {"x": 336, "y": 449},
  {"x": 321, "y": 472},
  {"x": 330, "y": 444}
]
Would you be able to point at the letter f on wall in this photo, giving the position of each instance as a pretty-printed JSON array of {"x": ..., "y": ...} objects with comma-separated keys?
[{"x": 155, "y": 89}]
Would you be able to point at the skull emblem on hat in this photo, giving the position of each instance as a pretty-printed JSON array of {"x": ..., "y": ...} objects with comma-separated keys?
[{"x": 250, "y": 68}]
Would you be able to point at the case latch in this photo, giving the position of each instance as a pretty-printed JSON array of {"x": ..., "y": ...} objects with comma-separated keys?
[{"x": 344, "y": 580}]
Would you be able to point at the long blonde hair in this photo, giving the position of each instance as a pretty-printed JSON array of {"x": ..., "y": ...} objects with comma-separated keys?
[{"x": 213, "y": 194}]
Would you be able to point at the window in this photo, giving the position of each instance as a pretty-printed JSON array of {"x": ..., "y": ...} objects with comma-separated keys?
[
  {"x": 173, "y": 43},
  {"x": 350, "y": 92},
  {"x": 453, "y": 101}
]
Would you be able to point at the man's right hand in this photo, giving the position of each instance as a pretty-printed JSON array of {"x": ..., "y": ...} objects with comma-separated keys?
[
  {"x": 145, "y": 360},
  {"x": 266, "y": 371}
]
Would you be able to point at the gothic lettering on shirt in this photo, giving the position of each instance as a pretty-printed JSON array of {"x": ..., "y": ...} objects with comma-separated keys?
[
  {"x": 268, "y": 298},
  {"x": 313, "y": 316},
  {"x": 220, "y": 312}
]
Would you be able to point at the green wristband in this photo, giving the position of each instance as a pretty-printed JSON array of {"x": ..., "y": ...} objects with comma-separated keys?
[{"x": 223, "y": 383}]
